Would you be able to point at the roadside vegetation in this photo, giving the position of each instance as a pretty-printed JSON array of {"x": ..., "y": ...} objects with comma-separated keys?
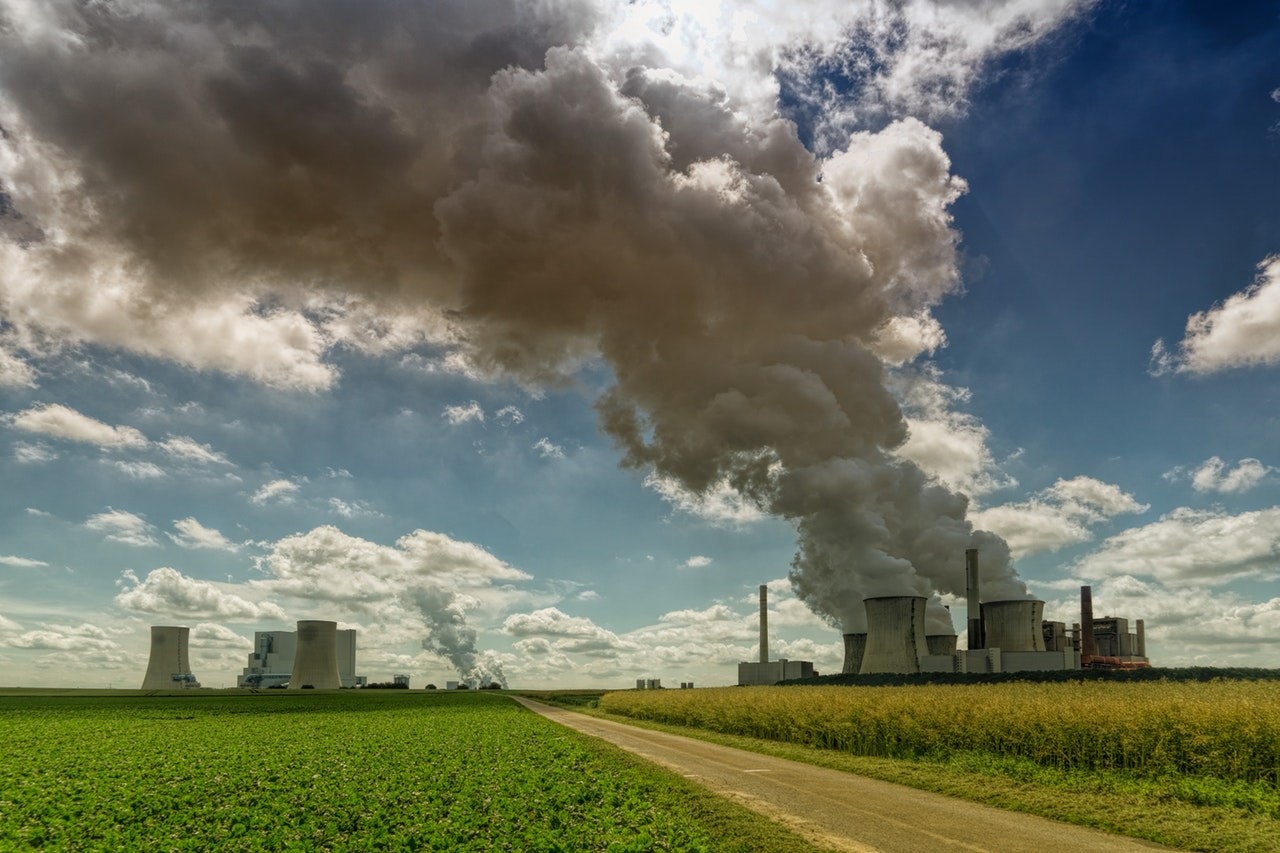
[
  {"x": 378, "y": 770},
  {"x": 1192, "y": 765}
]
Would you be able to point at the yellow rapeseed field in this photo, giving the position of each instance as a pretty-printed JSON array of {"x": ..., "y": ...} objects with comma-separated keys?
[{"x": 1224, "y": 729}]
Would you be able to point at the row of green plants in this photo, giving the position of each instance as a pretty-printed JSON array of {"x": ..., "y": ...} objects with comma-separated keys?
[
  {"x": 1225, "y": 730},
  {"x": 357, "y": 770}
]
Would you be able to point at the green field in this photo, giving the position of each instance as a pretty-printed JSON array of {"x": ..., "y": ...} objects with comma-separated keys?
[{"x": 385, "y": 770}]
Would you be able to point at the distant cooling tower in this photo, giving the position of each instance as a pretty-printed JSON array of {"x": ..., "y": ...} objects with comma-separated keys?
[
  {"x": 855, "y": 645},
  {"x": 895, "y": 634},
  {"x": 168, "y": 666},
  {"x": 1013, "y": 626},
  {"x": 315, "y": 663},
  {"x": 940, "y": 644}
]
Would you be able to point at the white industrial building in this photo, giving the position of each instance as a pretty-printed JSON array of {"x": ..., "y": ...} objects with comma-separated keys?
[{"x": 272, "y": 659}]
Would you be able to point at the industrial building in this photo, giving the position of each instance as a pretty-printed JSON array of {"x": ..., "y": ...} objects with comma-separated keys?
[
  {"x": 766, "y": 671},
  {"x": 271, "y": 663},
  {"x": 1004, "y": 636},
  {"x": 168, "y": 665}
]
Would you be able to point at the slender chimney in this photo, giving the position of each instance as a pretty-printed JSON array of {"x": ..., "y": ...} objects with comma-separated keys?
[
  {"x": 1141, "y": 651},
  {"x": 1088, "y": 646},
  {"x": 975, "y": 609},
  {"x": 764, "y": 623}
]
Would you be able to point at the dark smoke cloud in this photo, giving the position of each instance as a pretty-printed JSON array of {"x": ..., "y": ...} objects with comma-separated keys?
[{"x": 496, "y": 162}]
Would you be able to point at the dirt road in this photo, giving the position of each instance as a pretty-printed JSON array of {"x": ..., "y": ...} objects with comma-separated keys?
[{"x": 841, "y": 811}]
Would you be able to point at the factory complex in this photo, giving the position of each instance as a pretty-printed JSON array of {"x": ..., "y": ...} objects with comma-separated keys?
[{"x": 1003, "y": 636}]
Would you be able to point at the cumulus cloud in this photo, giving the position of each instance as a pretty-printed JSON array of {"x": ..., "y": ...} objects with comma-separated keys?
[
  {"x": 509, "y": 416},
  {"x": 949, "y": 444},
  {"x": 462, "y": 414},
  {"x": 1241, "y": 331},
  {"x": 213, "y": 635},
  {"x": 1215, "y": 475},
  {"x": 1206, "y": 547},
  {"x": 696, "y": 562},
  {"x": 84, "y": 638},
  {"x": 22, "y": 562},
  {"x": 721, "y": 504},
  {"x": 166, "y": 591},
  {"x": 276, "y": 491},
  {"x": 58, "y": 421},
  {"x": 353, "y": 509},
  {"x": 14, "y": 371},
  {"x": 140, "y": 470},
  {"x": 123, "y": 526},
  {"x": 193, "y": 534},
  {"x": 1061, "y": 515}
]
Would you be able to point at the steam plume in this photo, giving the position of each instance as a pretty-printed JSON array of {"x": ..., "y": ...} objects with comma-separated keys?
[{"x": 557, "y": 181}]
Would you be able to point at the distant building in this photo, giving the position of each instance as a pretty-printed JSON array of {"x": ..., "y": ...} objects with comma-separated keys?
[
  {"x": 771, "y": 672},
  {"x": 271, "y": 661}
]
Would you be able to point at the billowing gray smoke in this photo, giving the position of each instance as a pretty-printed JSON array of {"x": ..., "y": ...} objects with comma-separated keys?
[
  {"x": 453, "y": 639},
  {"x": 559, "y": 192}
]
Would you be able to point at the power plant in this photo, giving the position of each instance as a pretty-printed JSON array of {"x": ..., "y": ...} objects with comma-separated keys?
[
  {"x": 272, "y": 663},
  {"x": 1004, "y": 636},
  {"x": 168, "y": 666},
  {"x": 765, "y": 671}
]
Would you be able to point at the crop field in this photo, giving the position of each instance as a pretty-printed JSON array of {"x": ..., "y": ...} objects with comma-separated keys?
[
  {"x": 1225, "y": 730},
  {"x": 362, "y": 770}
]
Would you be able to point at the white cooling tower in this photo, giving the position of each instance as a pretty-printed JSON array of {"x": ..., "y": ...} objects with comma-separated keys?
[
  {"x": 1013, "y": 626},
  {"x": 855, "y": 645},
  {"x": 315, "y": 663},
  {"x": 168, "y": 666},
  {"x": 940, "y": 644},
  {"x": 895, "y": 634}
]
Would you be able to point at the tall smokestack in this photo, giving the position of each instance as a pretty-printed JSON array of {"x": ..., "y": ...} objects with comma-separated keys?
[
  {"x": 1088, "y": 646},
  {"x": 764, "y": 623},
  {"x": 1141, "y": 650},
  {"x": 975, "y": 608}
]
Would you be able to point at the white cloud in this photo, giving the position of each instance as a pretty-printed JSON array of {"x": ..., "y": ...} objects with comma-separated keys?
[
  {"x": 1215, "y": 475},
  {"x": 22, "y": 562},
  {"x": 454, "y": 363},
  {"x": 457, "y": 415},
  {"x": 140, "y": 470},
  {"x": 354, "y": 509},
  {"x": 166, "y": 591},
  {"x": 1058, "y": 516},
  {"x": 213, "y": 635},
  {"x": 947, "y": 444},
  {"x": 696, "y": 562},
  {"x": 33, "y": 454},
  {"x": 124, "y": 527},
  {"x": 1207, "y": 547},
  {"x": 83, "y": 638},
  {"x": 509, "y": 416},
  {"x": 182, "y": 447},
  {"x": 58, "y": 421},
  {"x": 588, "y": 595},
  {"x": 193, "y": 534},
  {"x": 903, "y": 339},
  {"x": 14, "y": 371},
  {"x": 9, "y": 625},
  {"x": 279, "y": 491},
  {"x": 721, "y": 505},
  {"x": 547, "y": 450},
  {"x": 1241, "y": 331}
]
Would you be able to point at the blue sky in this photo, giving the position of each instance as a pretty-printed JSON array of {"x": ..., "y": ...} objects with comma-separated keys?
[{"x": 461, "y": 326}]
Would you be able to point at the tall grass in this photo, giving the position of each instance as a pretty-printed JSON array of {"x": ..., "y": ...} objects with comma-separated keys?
[{"x": 1224, "y": 730}]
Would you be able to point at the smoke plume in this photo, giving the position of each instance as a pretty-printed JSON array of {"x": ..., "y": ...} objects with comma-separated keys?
[{"x": 534, "y": 184}]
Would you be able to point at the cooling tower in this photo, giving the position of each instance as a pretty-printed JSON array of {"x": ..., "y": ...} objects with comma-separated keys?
[
  {"x": 764, "y": 624},
  {"x": 854, "y": 647},
  {"x": 895, "y": 634},
  {"x": 940, "y": 644},
  {"x": 1088, "y": 645},
  {"x": 315, "y": 663},
  {"x": 168, "y": 666},
  {"x": 974, "y": 608},
  {"x": 1013, "y": 626}
]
